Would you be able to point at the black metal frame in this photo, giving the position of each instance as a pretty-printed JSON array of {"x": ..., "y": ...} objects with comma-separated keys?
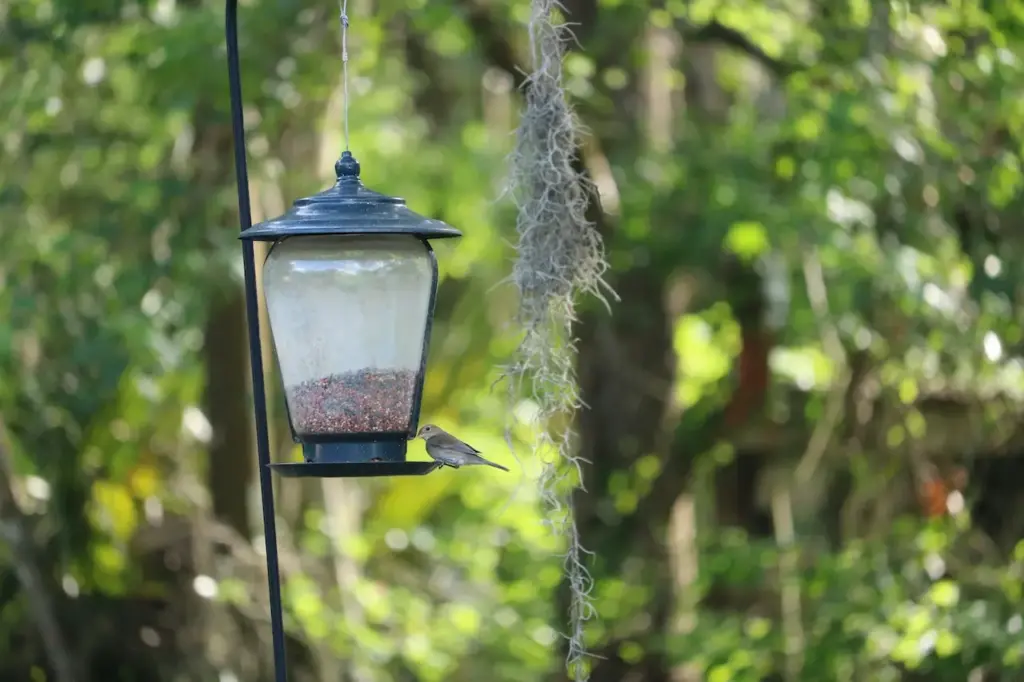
[
  {"x": 347, "y": 208},
  {"x": 252, "y": 312}
]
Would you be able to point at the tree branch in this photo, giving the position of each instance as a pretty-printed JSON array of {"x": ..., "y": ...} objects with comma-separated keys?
[
  {"x": 496, "y": 50},
  {"x": 716, "y": 32}
]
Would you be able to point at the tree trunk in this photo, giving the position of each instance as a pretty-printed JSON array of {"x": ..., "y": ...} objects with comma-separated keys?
[
  {"x": 231, "y": 465},
  {"x": 626, "y": 366}
]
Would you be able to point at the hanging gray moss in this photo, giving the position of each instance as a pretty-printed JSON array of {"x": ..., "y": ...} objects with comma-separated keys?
[{"x": 560, "y": 256}]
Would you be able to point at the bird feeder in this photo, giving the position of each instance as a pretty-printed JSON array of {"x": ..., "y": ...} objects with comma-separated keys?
[{"x": 350, "y": 283}]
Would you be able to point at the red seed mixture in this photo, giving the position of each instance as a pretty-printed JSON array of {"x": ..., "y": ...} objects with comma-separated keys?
[{"x": 367, "y": 401}]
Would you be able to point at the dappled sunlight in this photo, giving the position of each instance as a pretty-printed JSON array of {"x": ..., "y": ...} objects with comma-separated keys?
[{"x": 797, "y": 418}]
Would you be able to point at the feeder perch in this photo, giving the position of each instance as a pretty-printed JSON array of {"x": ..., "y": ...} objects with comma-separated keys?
[{"x": 350, "y": 283}]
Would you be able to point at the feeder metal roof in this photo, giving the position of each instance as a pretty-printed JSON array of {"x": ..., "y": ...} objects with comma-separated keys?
[{"x": 349, "y": 208}]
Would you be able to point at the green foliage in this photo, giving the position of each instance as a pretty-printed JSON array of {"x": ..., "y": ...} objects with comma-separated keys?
[{"x": 883, "y": 137}]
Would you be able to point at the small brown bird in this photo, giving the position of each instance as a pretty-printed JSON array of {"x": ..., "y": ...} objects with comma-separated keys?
[{"x": 445, "y": 448}]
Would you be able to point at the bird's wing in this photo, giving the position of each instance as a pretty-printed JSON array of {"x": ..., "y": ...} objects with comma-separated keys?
[
  {"x": 450, "y": 442},
  {"x": 477, "y": 459},
  {"x": 465, "y": 448}
]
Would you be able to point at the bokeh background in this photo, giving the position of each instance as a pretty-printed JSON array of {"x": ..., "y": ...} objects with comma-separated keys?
[{"x": 804, "y": 415}]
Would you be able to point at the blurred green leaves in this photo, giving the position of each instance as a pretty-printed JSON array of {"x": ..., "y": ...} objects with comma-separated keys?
[
  {"x": 116, "y": 207},
  {"x": 748, "y": 240}
]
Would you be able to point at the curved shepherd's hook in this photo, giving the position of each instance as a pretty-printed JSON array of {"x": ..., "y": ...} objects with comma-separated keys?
[{"x": 255, "y": 354}]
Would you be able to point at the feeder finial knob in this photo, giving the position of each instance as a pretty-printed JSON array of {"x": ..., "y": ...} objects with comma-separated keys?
[{"x": 347, "y": 167}]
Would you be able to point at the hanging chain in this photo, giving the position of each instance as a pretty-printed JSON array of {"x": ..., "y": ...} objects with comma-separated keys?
[{"x": 344, "y": 64}]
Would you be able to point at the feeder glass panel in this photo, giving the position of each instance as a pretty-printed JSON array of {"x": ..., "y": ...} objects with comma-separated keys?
[{"x": 349, "y": 318}]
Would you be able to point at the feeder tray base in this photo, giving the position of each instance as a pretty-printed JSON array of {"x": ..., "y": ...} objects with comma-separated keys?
[{"x": 353, "y": 469}]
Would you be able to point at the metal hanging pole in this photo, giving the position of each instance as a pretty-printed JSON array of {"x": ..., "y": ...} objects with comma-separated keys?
[{"x": 255, "y": 353}]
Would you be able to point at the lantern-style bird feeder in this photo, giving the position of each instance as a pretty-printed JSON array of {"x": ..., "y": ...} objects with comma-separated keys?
[{"x": 349, "y": 284}]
